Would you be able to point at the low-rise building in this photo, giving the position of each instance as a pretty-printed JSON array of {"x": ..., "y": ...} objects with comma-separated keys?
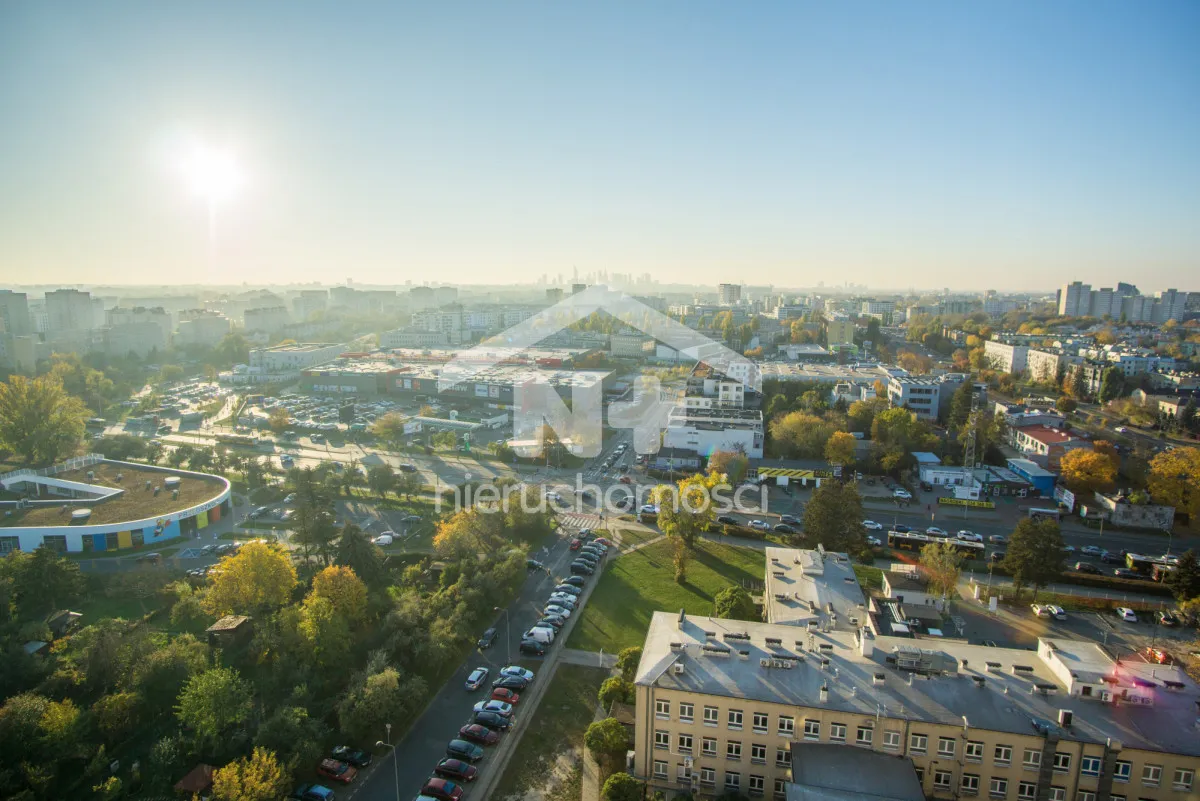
[
  {"x": 812, "y": 588},
  {"x": 721, "y": 428},
  {"x": 413, "y": 338},
  {"x": 1041, "y": 479},
  {"x": 1046, "y": 446},
  {"x": 631, "y": 346},
  {"x": 1120, "y": 510}
]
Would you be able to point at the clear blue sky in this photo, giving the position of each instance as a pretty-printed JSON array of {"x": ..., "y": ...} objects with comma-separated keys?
[{"x": 970, "y": 145}]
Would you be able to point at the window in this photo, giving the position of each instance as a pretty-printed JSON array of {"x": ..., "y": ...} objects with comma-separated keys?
[
  {"x": 1003, "y": 756},
  {"x": 941, "y": 779},
  {"x": 998, "y": 788},
  {"x": 660, "y": 769},
  {"x": 812, "y": 729},
  {"x": 891, "y": 740},
  {"x": 1116, "y": 798},
  {"x": 866, "y": 735},
  {"x": 735, "y": 719},
  {"x": 1084, "y": 795},
  {"x": 758, "y": 754},
  {"x": 760, "y": 722},
  {"x": 55, "y": 542},
  {"x": 917, "y": 743},
  {"x": 662, "y": 739},
  {"x": 710, "y": 716},
  {"x": 969, "y": 784},
  {"x": 787, "y": 726},
  {"x": 685, "y": 743},
  {"x": 1090, "y": 766},
  {"x": 10, "y": 544},
  {"x": 946, "y": 746},
  {"x": 708, "y": 777},
  {"x": 920, "y": 775},
  {"x": 1151, "y": 775},
  {"x": 733, "y": 780},
  {"x": 1184, "y": 777},
  {"x": 662, "y": 709},
  {"x": 837, "y": 732},
  {"x": 757, "y": 785},
  {"x": 1027, "y": 791},
  {"x": 783, "y": 757},
  {"x": 780, "y": 788},
  {"x": 1062, "y": 762},
  {"x": 1032, "y": 759},
  {"x": 1121, "y": 771},
  {"x": 974, "y": 751},
  {"x": 683, "y": 773},
  {"x": 733, "y": 750},
  {"x": 686, "y": 712},
  {"x": 708, "y": 746},
  {"x": 1057, "y": 793}
]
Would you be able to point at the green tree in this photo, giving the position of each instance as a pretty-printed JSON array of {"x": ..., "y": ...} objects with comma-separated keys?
[
  {"x": 686, "y": 509},
  {"x": 1078, "y": 383},
  {"x": 407, "y": 484},
  {"x": 376, "y": 698},
  {"x": 326, "y": 632},
  {"x": 444, "y": 440},
  {"x": 622, "y": 787},
  {"x": 1184, "y": 580},
  {"x": 627, "y": 661},
  {"x": 116, "y": 716},
  {"x": 292, "y": 734},
  {"x": 257, "y": 778},
  {"x": 861, "y": 414},
  {"x": 733, "y": 464},
  {"x": 357, "y": 552},
  {"x": 960, "y": 406},
  {"x": 607, "y": 741},
  {"x": 313, "y": 523},
  {"x": 834, "y": 518},
  {"x": 777, "y": 406},
  {"x": 39, "y": 422},
  {"x": 841, "y": 448},
  {"x": 43, "y": 581},
  {"x": 278, "y": 420},
  {"x": 257, "y": 578},
  {"x": 390, "y": 428},
  {"x": 1112, "y": 385},
  {"x": 212, "y": 702},
  {"x": 381, "y": 479},
  {"x": 941, "y": 563},
  {"x": 615, "y": 688},
  {"x": 1035, "y": 554},
  {"x": 734, "y": 603},
  {"x": 1066, "y": 404}
]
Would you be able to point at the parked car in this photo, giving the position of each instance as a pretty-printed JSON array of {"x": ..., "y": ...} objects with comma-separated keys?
[
  {"x": 788, "y": 519},
  {"x": 582, "y": 569},
  {"x": 461, "y": 749},
  {"x": 563, "y": 599},
  {"x": 493, "y": 720},
  {"x": 456, "y": 769},
  {"x": 442, "y": 789},
  {"x": 511, "y": 683},
  {"x": 552, "y": 620},
  {"x": 1127, "y": 614},
  {"x": 1089, "y": 568},
  {"x": 934, "y": 531},
  {"x": 517, "y": 670},
  {"x": 386, "y": 538},
  {"x": 487, "y": 639},
  {"x": 312, "y": 792},
  {"x": 478, "y": 733},
  {"x": 505, "y": 695},
  {"x": 499, "y": 707},
  {"x": 544, "y": 635},
  {"x": 337, "y": 770},
  {"x": 871, "y": 525},
  {"x": 575, "y": 581},
  {"x": 727, "y": 520},
  {"x": 576, "y": 544},
  {"x": 568, "y": 588},
  {"x": 1167, "y": 619},
  {"x": 1049, "y": 610},
  {"x": 477, "y": 678},
  {"x": 603, "y": 541},
  {"x": 354, "y": 756},
  {"x": 532, "y": 648},
  {"x": 969, "y": 536},
  {"x": 533, "y": 564},
  {"x": 902, "y": 495},
  {"x": 926, "y": 486},
  {"x": 555, "y": 609},
  {"x": 997, "y": 539},
  {"x": 783, "y": 528}
]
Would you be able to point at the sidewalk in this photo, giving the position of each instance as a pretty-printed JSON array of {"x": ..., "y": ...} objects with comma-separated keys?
[{"x": 1064, "y": 589}]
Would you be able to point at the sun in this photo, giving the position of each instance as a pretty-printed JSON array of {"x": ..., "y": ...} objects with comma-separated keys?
[{"x": 212, "y": 173}]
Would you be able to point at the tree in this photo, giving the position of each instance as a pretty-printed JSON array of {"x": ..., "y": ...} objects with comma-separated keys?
[
  {"x": 733, "y": 464},
  {"x": 734, "y": 603},
  {"x": 444, "y": 440},
  {"x": 685, "y": 509},
  {"x": 1087, "y": 471},
  {"x": 43, "y": 581},
  {"x": 1112, "y": 385},
  {"x": 376, "y": 698},
  {"x": 840, "y": 448},
  {"x": 1184, "y": 580},
  {"x": 607, "y": 741},
  {"x": 800, "y": 435},
  {"x": 407, "y": 483},
  {"x": 834, "y": 517},
  {"x": 940, "y": 561},
  {"x": 896, "y": 434},
  {"x": 116, "y": 716},
  {"x": 344, "y": 590},
  {"x": 622, "y": 787},
  {"x": 390, "y": 428},
  {"x": 314, "y": 521},
  {"x": 862, "y": 413},
  {"x": 381, "y": 479},
  {"x": 39, "y": 421},
  {"x": 777, "y": 406},
  {"x": 1066, "y": 404},
  {"x": 960, "y": 406},
  {"x": 613, "y": 689},
  {"x": 212, "y": 702},
  {"x": 1078, "y": 383},
  {"x": 326, "y": 633},
  {"x": 1174, "y": 479},
  {"x": 361, "y": 555},
  {"x": 1035, "y": 554},
  {"x": 258, "y": 778},
  {"x": 627, "y": 661},
  {"x": 278, "y": 420},
  {"x": 293, "y": 735},
  {"x": 258, "y": 577}
]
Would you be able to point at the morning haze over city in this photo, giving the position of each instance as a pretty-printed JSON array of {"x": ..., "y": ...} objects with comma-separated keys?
[{"x": 599, "y": 402}]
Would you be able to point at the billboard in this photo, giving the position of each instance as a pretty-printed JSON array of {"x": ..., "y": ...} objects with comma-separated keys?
[{"x": 1065, "y": 497}]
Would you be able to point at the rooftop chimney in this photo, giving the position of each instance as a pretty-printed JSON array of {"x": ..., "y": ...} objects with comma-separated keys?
[
  {"x": 682, "y": 619},
  {"x": 824, "y": 693}
]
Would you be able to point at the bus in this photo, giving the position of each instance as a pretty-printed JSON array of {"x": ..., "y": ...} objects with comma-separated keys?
[
  {"x": 237, "y": 439},
  {"x": 1154, "y": 567},
  {"x": 96, "y": 422},
  {"x": 1043, "y": 514},
  {"x": 913, "y": 541}
]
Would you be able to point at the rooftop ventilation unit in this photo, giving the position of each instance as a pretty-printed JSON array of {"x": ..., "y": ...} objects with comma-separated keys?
[
  {"x": 1022, "y": 669},
  {"x": 1065, "y": 718},
  {"x": 979, "y": 681},
  {"x": 676, "y": 646},
  {"x": 736, "y": 635},
  {"x": 878, "y": 679},
  {"x": 825, "y": 648},
  {"x": 774, "y": 641},
  {"x": 677, "y": 668},
  {"x": 994, "y": 667},
  {"x": 744, "y": 654}
]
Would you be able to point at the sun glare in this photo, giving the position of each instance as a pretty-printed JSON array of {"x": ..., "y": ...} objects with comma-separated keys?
[{"x": 212, "y": 174}]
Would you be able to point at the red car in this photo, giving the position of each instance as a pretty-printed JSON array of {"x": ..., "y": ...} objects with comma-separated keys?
[
  {"x": 626, "y": 480},
  {"x": 506, "y": 695},
  {"x": 442, "y": 789},
  {"x": 604, "y": 541},
  {"x": 336, "y": 770},
  {"x": 576, "y": 544},
  {"x": 456, "y": 769},
  {"x": 477, "y": 733}
]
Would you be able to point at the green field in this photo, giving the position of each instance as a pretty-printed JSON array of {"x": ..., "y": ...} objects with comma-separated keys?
[
  {"x": 558, "y": 726},
  {"x": 637, "y": 585}
]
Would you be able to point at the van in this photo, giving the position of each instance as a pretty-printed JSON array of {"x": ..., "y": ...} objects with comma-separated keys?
[{"x": 542, "y": 634}]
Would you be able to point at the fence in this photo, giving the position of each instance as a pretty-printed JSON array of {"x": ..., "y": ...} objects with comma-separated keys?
[{"x": 75, "y": 463}]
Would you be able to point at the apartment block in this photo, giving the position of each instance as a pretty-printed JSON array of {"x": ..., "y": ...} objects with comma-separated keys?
[
  {"x": 267, "y": 318},
  {"x": 839, "y": 332},
  {"x": 707, "y": 430},
  {"x": 14, "y": 313},
  {"x": 202, "y": 327},
  {"x": 729, "y": 294},
  {"x": 1045, "y": 365},
  {"x": 631, "y": 346},
  {"x": 1006, "y": 358},
  {"x": 730, "y": 706},
  {"x": 412, "y": 338},
  {"x": 928, "y": 398}
]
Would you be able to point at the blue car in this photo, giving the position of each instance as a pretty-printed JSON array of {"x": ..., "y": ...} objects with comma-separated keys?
[{"x": 312, "y": 792}]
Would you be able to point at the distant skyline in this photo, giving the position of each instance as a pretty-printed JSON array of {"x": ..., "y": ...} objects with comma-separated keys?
[{"x": 1011, "y": 146}]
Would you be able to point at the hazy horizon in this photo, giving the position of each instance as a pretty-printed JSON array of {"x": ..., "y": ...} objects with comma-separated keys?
[{"x": 1013, "y": 147}]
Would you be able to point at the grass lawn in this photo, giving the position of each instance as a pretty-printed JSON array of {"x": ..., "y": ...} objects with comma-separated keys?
[
  {"x": 871, "y": 578},
  {"x": 637, "y": 585},
  {"x": 102, "y": 608},
  {"x": 558, "y": 726}
]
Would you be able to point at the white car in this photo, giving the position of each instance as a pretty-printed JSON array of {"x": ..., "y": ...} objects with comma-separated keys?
[
  {"x": 555, "y": 609},
  {"x": 934, "y": 531},
  {"x": 1127, "y": 614},
  {"x": 563, "y": 599},
  {"x": 1092, "y": 550},
  {"x": 385, "y": 538},
  {"x": 1049, "y": 610},
  {"x": 902, "y": 494},
  {"x": 871, "y": 525},
  {"x": 1121, "y": 430},
  {"x": 761, "y": 525},
  {"x": 874, "y": 542},
  {"x": 969, "y": 536}
]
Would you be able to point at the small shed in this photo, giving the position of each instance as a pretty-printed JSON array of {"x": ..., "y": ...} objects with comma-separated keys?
[
  {"x": 198, "y": 781},
  {"x": 230, "y": 629},
  {"x": 62, "y": 621}
]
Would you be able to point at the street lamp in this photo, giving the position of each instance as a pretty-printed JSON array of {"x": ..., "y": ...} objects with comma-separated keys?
[
  {"x": 507, "y": 631},
  {"x": 388, "y": 744}
]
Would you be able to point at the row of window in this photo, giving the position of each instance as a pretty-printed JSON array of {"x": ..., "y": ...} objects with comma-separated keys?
[
  {"x": 998, "y": 788},
  {"x": 732, "y": 780},
  {"x": 708, "y": 747}
]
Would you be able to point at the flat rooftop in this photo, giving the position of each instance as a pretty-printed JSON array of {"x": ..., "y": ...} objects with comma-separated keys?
[
  {"x": 831, "y": 772},
  {"x": 300, "y": 347},
  {"x": 135, "y": 503},
  {"x": 352, "y": 367},
  {"x": 827, "y": 373},
  {"x": 804, "y": 585},
  {"x": 725, "y": 658}
]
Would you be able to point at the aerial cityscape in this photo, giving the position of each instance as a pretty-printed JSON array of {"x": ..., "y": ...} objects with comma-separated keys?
[{"x": 599, "y": 403}]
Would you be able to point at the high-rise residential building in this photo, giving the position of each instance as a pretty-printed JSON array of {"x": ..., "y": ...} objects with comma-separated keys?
[
  {"x": 1006, "y": 358},
  {"x": 309, "y": 302},
  {"x": 202, "y": 327},
  {"x": 1102, "y": 303},
  {"x": 554, "y": 294},
  {"x": 1123, "y": 303},
  {"x": 267, "y": 319},
  {"x": 14, "y": 313},
  {"x": 69, "y": 310},
  {"x": 839, "y": 332},
  {"x": 1169, "y": 304},
  {"x": 729, "y": 294},
  {"x": 1074, "y": 299}
]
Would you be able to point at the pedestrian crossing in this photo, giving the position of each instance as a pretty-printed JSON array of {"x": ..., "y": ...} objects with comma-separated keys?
[{"x": 578, "y": 520}]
